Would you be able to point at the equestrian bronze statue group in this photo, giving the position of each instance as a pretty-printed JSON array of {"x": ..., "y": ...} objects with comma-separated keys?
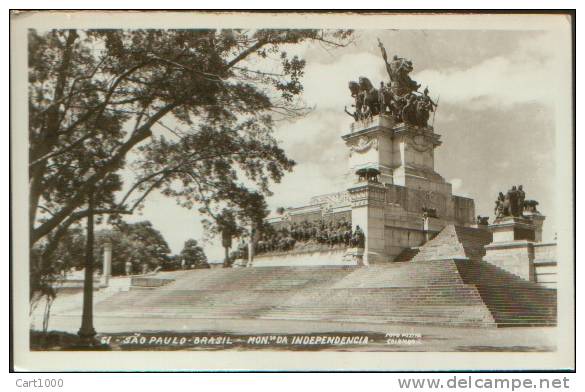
[{"x": 398, "y": 98}]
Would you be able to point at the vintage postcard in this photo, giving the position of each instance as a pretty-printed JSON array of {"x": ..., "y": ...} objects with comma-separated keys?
[{"x": 292, "y": 191}]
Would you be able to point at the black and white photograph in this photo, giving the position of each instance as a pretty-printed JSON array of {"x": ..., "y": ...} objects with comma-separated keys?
[{"x": 292, "y": 191}]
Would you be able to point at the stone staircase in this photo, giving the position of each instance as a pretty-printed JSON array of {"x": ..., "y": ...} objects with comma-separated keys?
[
  {"x": 406, "y": 255},
  {"x": 445, "y": 283},
  {"x": 404, "y": 293},
  {"x": 511, "y": 300},
  {"x": 264, "y": 278},
  {"x": 455, "y": 242}
]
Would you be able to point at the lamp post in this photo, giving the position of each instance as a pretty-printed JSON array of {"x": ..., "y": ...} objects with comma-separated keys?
[{"x": 87, "y": 332}]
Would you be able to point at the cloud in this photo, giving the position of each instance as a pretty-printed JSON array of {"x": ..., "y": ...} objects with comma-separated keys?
[
  {"x": 326, "y": 85},
  {"x": 495, "y": 82},
  {"x": 456, "y": 183},
  {"x": 524, "y": 76},
  {"x": 308, "y": 180},
  {"x": 315, "y": 138},
  {"x": 503, "y": 164},
  {"x": 457, "y": 187}
]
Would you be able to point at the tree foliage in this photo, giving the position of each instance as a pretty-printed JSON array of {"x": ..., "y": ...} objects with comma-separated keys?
[
  {"x": 189, "y": 112},
  {"x": 193, "y": 256},
  {"x": 139, "y": 243}
]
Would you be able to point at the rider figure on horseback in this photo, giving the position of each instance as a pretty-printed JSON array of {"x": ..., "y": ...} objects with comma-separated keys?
[{"x": 398, "y": 70}]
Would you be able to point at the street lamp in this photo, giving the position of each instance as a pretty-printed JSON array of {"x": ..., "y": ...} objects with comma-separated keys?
[{"x": 87, "y": 332}]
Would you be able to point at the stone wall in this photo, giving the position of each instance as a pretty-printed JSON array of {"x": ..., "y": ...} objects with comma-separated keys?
[
  {"x": 545, "y": 251},
  {"x": 545, "y": 264},
  {"x": 308, "y": 258},
  {"x": 515, "y": 257},
  {"x": 531, "y": 261},
  {"x": 453, "y": 209}
]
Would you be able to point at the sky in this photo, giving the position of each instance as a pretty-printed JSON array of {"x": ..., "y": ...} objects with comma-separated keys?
[{"x": 496, "y": 116}]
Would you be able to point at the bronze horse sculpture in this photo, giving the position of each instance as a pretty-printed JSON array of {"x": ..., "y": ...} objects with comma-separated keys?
[{"x": 370, "y": 97}]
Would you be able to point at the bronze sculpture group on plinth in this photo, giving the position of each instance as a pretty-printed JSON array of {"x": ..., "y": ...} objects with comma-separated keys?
[
  {"x": 399, "y": 98},
  {"x": 514, "y": 204},
  {"x": 515, "y": 217}
]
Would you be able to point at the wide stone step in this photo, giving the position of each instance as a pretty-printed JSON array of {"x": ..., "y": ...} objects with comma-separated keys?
[{"x": 447, "y": 322}]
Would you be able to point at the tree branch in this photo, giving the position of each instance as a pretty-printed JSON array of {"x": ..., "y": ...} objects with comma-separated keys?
[
  {"x": 138, "y": 136},
  {"x": 247, "y": 52}
]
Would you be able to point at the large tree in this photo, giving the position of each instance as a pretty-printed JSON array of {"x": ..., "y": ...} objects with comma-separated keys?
[
  {"x": 139, "y": 243},
  {"x": 193, "y": 255},
  {"x": 188, "y": 111}
]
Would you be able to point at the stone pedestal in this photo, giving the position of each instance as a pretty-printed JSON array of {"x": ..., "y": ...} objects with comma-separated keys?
[
  {"x": 512, "y": 246},
  {"x": 390, "y": 209},
  {"x": 370, "y": 146},
  {"x": 515, "y": 257},
  {"x": 367, "y": 202},
  {"x": 402, "y": 153},
  {"x": 513, "y": 229}
]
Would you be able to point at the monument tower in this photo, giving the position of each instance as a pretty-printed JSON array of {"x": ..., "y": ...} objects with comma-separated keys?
[
  {"x": 397, "y": 197},
  {"x": 394, "y": 195}
]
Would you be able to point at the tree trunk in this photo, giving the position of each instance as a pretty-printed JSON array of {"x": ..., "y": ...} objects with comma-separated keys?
[
  {"x": 49, "y": 133},
  {"x": 226, "y": 260}
]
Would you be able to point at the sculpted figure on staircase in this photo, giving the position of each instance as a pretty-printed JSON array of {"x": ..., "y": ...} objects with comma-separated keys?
[{"x": 359, "y": 239}]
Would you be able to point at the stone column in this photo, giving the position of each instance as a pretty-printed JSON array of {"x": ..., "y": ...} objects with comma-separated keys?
[
  {"x": 107, "y": 263},
  {"x": 251, "y": 246}
]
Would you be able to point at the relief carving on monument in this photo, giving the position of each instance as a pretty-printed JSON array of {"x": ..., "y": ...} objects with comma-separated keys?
[
  {"x": 363, "y": 145},
  {"x": 336, "y": 199},
  {"x": 420, "y": 143}
]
